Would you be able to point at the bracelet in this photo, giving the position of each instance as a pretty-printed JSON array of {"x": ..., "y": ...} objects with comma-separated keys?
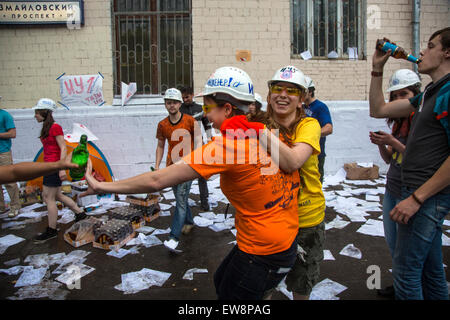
[
  {"x": 416, "y": 199},
  {"x": 377, "y": 74}
]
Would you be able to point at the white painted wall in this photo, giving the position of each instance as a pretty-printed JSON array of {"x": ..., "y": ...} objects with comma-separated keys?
[{"x": 127, "y": 135}]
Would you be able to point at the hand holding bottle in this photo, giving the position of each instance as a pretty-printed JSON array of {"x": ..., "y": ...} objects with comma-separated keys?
[{"x": 380, "y": 58}]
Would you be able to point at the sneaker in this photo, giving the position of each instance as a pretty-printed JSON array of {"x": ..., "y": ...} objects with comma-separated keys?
[
  {"x": 80, "y": 216},
  {"x": 47, "y": 235},
  {"x": 13, "y": 213},
  {"x": 187, "y": 228},
  {"x": 387, "y": 292},
  {"x": 172, "y": 244}
]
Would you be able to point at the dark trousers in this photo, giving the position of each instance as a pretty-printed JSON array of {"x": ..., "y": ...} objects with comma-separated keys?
[
  {"x": 203, "y": 188},
  {"x": 321, "y": 164},
  {"x": 243, "y": 276}
]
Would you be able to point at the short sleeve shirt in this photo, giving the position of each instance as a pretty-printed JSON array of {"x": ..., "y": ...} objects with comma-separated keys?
[
  {"x": 311, "y": 201},
  {"x": 266, "y": 201},
  {"x": 6, "y": 124},
  {"x": 52, "y": 152},
  {"x": 319, "y": 111},
  {"x": 180, "y": 136}
]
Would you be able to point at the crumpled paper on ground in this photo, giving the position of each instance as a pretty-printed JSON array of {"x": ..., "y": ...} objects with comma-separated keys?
[
  {"x": 134, "y": 282},
  {"x": 189, "y": 275},
  {"x": 351, "y": 251}
]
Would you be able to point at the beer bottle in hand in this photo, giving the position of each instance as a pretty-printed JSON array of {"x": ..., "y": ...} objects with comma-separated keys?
[
  {"x": 80, "y": 156},
  {"x": 396, "y": 51}
]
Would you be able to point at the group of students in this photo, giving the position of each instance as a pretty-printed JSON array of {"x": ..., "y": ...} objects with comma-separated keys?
[{"x": 280, "y": 216}]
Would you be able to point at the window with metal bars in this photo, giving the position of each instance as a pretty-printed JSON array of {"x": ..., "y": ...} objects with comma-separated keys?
[
  {"x": 323, "y": 26},
  {"x": 152, "y": 44}
]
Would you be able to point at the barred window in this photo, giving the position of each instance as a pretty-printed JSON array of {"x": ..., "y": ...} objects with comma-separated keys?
[
  {"x": 323, "y": 26},
  {"x": 152, "y": 44}
]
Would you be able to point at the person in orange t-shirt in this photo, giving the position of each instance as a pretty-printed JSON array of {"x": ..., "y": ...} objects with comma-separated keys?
[
  {"x": 179, "y": 130},
  {"x": 265, "y": 198}
]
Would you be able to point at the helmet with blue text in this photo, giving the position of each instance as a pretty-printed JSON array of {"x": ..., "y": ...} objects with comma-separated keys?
[{"x": 231, "y": 84}]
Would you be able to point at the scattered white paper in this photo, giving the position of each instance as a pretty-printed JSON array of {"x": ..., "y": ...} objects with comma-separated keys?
[
  {"x": 134, "y": 282},
  {"x": 164, "y": 206},
  {"x": 327, "y": 255},
  {"x": 189, "y": 275},
  {"x": 169, "y": 195},
  {"x": 13, "y": 271},
  {"x": 351, "y": 251},
  {"x": 118, "y": 254},
  {"x": 161, "y": 231},
  {"x": 8, "y": 241},
  {"x": 74, "y": 273},
  {"x": 202, "y": 222},
  {"x": 306, "y": 55},
  {"x": 128, "y": 90},
  {"x": 445, "y": 240},
  {"x": 208, "y": 215},
  {"x": 372, "y": 198},
  {"x": 326, "y": 290},
  {"x": 365, "y": 164},
  {"x": 372, "y": 228},
  {"x": 333, "y": 55},
  {"x": 447, "y": 223},
  {"x": 337, "y": 223},
  {"x": 336, "y": 179},
  {"x": 164, "y": 213},
  {"x": 30, "y": 276},
  {"x": 46, "y": 289},
  {"x": 282, "y": 287},
  {"x": 217, "y": 227},
  {"x": 145, "y": 229}
]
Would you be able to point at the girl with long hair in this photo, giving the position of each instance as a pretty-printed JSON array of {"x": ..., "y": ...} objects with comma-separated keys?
[{"x": 52, "y": 139}]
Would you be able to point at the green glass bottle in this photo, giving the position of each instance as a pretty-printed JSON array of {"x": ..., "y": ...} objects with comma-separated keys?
[{"x": 80, "y": 156}]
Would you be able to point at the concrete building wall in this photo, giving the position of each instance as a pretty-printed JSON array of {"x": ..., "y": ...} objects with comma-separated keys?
[{"x": 32, "y": 57}]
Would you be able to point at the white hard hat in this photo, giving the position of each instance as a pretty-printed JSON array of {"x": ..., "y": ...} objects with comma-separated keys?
[
  {"x": 403, "y": 78},
  {"x": 173, "y": 94},
  {"x": 309, "y": 82},
  {"x": 258, "y": 98},
  {"x": 231, "y": 81},
  {"x": 289, "y": 74},
  {"x": 45, "y": 104}
]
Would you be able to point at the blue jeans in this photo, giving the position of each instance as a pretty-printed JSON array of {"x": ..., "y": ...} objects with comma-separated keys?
[
  {"x": 390, "y": 226},
  {"x": 418, "y": 271},
  {"x": 182, "y": 214},
  {"x": 244, "y": 276}
]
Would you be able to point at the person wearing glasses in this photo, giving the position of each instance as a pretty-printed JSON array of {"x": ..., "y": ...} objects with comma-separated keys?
[
  {"x": 298, "y": 152},
  {"x": 264, "y": 197}
]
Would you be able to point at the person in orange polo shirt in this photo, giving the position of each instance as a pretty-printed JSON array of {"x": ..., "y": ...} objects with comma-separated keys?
[{"x": 265, "y": 198}]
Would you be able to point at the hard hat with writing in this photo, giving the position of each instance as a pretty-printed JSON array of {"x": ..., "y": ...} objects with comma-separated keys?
[
  {"x": 289, "y": 74},
  {"x": 45, "y": 104},
  {"x": 403, "y": 78},
  {"x": 309, "y": 82},
  {"x": 231, "y": 81},
  {"x": 173, "y": 94}
]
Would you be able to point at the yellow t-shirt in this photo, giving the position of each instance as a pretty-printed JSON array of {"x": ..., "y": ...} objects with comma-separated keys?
[{"x": 311, "y": 201}]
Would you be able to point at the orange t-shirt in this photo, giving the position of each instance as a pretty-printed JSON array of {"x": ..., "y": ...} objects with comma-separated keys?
[
  {"x": 266, "y": 204},
  {"x": 181, "y": 133}
]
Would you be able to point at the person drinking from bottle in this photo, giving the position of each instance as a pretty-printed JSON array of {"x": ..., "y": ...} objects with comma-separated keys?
[
  {"x": 263, "y": 196},
  {"x": 52, "y": 139},
  {"x": 417, "y": 267}
]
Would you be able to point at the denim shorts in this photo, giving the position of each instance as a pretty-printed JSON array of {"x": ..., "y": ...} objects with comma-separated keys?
[
  {"x": 243, "y": 276},
  {"x": 305, "y": 274},
  {"x": 52, "y": 180}
]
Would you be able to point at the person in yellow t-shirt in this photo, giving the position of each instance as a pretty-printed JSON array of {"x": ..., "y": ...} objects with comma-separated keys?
[{"x": 286, "y": 93}]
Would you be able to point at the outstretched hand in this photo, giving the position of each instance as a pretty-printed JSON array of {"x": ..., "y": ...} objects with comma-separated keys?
[{"x": 92, "y": 182}]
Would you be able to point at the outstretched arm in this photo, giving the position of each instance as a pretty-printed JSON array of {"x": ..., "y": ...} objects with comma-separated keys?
[
  {"x": 144, "y": 183},
  {"x": 29, "y": 170}
]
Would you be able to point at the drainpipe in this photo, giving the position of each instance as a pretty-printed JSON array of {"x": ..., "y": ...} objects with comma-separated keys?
[{"x": 416, "y": 30}]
